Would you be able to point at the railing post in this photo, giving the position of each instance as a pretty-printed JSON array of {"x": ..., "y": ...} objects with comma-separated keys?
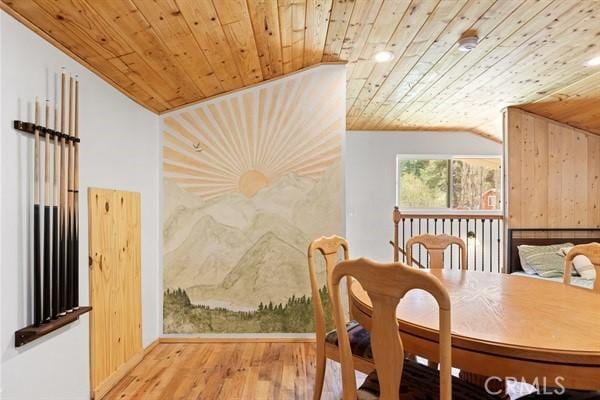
[{"x": 396, "y": 216}]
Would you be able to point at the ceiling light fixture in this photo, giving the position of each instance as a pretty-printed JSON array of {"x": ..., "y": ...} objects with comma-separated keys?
[
  {"x": 468, "y": 43},
  {"x": 594, "y": 62},
  {"x": 383, "y": 56}
]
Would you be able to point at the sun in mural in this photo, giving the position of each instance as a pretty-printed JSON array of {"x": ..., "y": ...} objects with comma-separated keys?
[{"x": 248, "y": 141}]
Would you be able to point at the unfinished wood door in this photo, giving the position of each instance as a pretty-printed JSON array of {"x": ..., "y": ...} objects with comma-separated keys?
[{"x": 115, "y": 286}]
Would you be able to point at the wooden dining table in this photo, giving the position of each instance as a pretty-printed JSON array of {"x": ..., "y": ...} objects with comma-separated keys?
[{"x": 504, "y": 327}]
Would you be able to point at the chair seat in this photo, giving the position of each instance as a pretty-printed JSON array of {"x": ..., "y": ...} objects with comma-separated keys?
[
  {"x": 420, "y": 382},
  {"x": 360, "y": 342}
]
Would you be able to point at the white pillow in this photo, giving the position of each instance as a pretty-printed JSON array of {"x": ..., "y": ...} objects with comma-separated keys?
[
  {"x": 581, "y": 264},
  {"x": 584, "y": 267}
]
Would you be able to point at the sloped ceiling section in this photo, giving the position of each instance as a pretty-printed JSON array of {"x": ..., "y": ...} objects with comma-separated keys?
[{"x": 169, "y": 53}]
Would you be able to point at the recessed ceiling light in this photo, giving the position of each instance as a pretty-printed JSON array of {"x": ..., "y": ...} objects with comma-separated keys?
[
  {"x": 468, "y": 43},
  {"x": 593, "y": 62},
  {"x": 383, "y": 56}
]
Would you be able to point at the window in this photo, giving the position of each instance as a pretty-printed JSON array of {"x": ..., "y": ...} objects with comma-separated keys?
[{"x": 455, "y": 183}]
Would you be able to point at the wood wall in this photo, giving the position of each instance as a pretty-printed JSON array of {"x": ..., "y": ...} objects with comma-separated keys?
[{"x": 552, "y": 173}]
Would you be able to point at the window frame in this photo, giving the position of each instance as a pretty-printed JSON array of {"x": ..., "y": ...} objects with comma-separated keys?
[{"x": 448, "y": 210}]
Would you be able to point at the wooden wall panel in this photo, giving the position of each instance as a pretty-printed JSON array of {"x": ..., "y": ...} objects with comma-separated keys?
[
  {"x": 115, "y": 281},
  {"x": 553, "y": 173},
  {"x": 593, "y": 175}
]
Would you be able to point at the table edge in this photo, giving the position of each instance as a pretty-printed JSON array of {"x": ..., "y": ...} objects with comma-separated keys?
[{"x": 505, "y": 350}]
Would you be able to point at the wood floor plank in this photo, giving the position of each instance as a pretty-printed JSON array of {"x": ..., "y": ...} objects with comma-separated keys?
[{"x": 228, "y": 371}]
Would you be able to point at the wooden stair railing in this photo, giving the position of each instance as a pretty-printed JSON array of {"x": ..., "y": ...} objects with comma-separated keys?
[{"x": 482, "y": 233}]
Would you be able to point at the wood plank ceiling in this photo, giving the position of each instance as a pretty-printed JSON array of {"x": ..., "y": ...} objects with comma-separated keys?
[{"x": 168, "y": 53}]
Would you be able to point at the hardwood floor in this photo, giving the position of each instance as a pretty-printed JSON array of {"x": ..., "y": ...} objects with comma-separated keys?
[{"x": 227, "y": 371}]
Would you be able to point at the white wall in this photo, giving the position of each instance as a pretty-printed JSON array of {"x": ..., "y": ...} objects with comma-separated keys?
[
  {"x": 119, "y": 150},
  {"x": 371, "y": 180}
]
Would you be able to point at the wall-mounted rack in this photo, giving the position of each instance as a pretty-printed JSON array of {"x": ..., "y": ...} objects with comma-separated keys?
[
  {"x": 36, "y": 331},
  {"x": 30, "y": 127},
  {"x": 55, "y": 214},
  {"x": 32, "y": 332}
]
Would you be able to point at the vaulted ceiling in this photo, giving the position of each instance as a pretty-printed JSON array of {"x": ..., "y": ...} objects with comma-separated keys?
[{"x": 168, "y": 53}]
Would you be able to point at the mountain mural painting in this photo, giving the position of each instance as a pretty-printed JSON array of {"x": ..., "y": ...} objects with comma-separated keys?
[{"x": 239, "y": 215}]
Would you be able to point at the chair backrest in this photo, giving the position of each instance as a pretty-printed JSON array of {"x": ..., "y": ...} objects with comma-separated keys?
[
  {"x": 435, "y": 246},
  {"x": 329, "y": 248},
  {"x": 591, "y": 251},
  {"x": 386, "y": 284}
]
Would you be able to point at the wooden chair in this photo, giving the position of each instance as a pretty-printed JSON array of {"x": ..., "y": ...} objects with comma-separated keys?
[
  {"x": 591, "y": 251},
  {"x": 396, "y": 377},
  {"x": 435, "y": 246},
  {"x": 327, "y": 341}
]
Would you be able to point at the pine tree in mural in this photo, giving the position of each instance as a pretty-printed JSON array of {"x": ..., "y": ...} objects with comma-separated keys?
[{"x": 296, "y": 315}]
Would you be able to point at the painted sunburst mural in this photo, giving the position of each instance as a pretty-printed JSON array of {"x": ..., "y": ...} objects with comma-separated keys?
[
  {"x": 249, "y": 179},
  {"x": 245, "y": 142}
]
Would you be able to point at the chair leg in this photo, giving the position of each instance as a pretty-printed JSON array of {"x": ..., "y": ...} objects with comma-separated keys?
[{"x": 320, "y": 373}]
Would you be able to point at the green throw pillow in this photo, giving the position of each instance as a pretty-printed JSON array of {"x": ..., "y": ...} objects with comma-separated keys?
[{"x": 546, "y": 261}]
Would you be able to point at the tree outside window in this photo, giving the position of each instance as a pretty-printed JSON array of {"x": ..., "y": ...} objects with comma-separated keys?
[{"x": 470, "y": 184}]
